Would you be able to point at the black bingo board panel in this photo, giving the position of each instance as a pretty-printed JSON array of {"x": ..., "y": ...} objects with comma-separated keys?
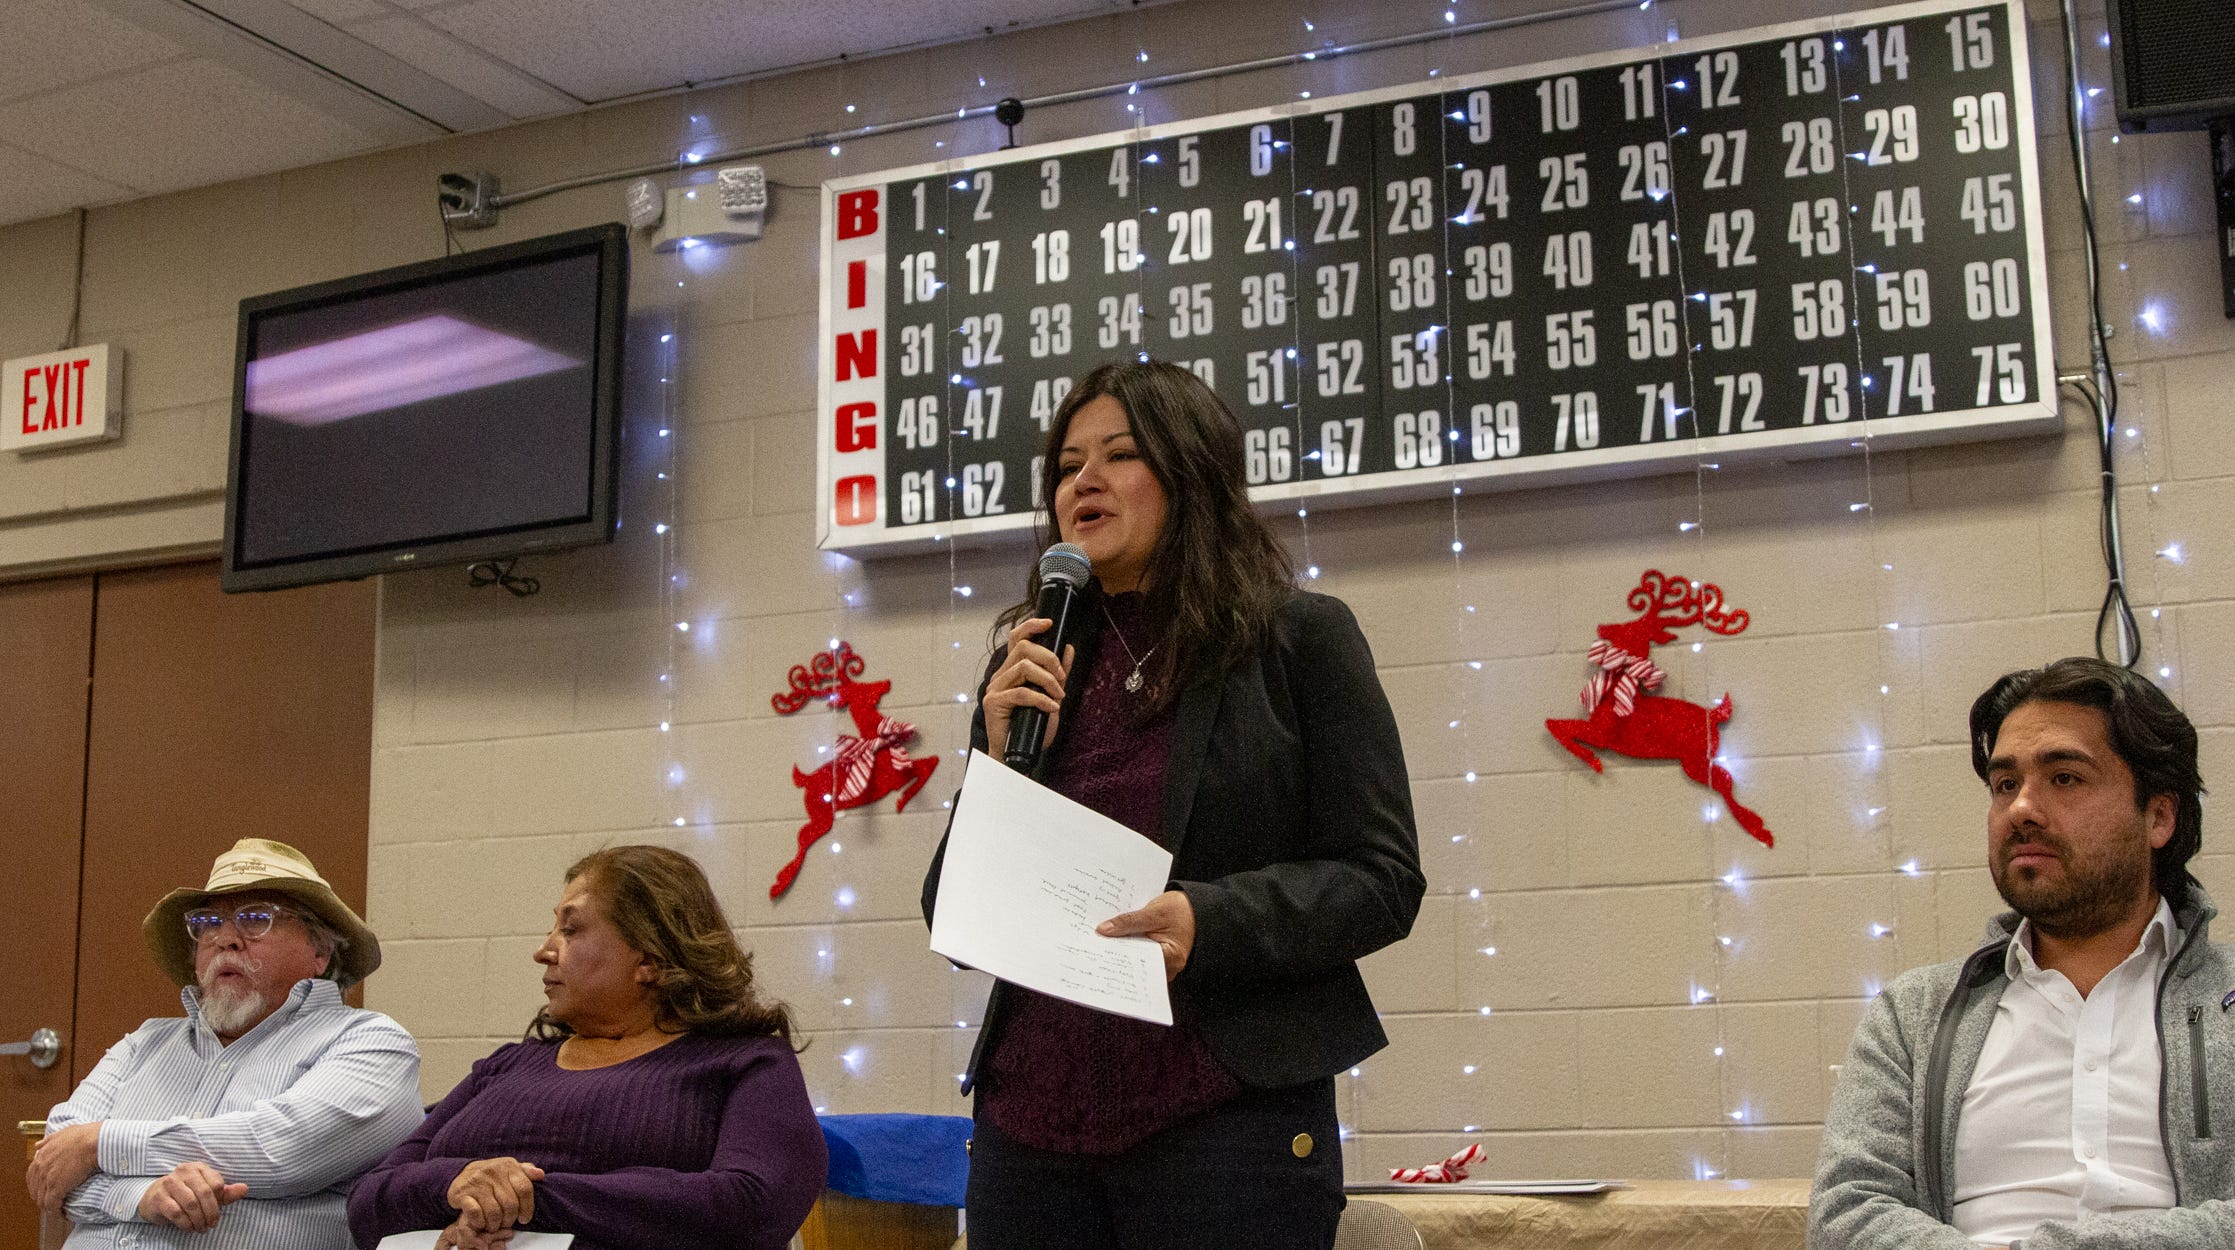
[{"x": 1748, "y": 245}]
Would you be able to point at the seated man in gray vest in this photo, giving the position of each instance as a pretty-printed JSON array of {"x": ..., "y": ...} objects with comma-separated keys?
[
  {"x": 2055, "y": 1090},
  {"x": 240, "y": 1125}
]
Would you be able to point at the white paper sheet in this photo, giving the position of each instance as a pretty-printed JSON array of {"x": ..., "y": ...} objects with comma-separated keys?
[
  {"x": 1028, "y": 874},
  {"x": 520, "y": 1241}
]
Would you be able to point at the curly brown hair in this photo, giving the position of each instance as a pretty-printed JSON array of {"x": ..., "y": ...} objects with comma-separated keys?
[{"x": 661, "y": 902}]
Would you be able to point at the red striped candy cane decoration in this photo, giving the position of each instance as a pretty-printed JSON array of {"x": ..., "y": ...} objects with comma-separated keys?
[
  {"x": 1622, "y": 675},
  {"x": 1444, "y": 1173}
]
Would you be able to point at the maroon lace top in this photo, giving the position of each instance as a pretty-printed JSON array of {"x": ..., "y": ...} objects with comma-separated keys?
[{"x": 1069, "y": 1078}]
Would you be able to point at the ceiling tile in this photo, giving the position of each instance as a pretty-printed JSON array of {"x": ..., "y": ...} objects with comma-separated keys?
[
  {"x": 52, "y": 43},
  {"x": 185, "y": 124},
  {"x": 476, "y": 73},
  {"x": 613, "y": 48},
  {"x": 33, "y": 186}
]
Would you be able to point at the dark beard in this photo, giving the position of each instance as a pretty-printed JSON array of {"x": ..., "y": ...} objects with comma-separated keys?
[{"x": 2095, "y": 894}]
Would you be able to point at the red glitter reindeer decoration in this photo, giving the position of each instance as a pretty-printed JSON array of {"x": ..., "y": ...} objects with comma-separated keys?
[
  {"x": 864, "y": 769},
  {"x": 1648, "y": 727}
]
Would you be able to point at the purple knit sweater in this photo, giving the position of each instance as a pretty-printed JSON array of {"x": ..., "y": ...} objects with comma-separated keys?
[
  {"x": 1068, "y": 1078},
  {"x": 705, "y": 1141}
]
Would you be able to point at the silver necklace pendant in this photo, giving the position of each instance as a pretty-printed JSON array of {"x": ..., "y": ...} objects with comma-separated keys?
[{"x": 1133, "y": 683}]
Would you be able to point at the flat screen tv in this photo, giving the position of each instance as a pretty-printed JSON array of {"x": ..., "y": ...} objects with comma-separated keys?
[{"x": 447, "y": 412}]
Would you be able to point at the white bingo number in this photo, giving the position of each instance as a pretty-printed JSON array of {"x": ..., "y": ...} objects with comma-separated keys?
[
  {"x": 981, "y": 488},
  {"x": 1414, "y": 360},
  {"x": 1496, "y": 429},
  {"x": 1051, "y": 331},
  {"x": 981, "y": 340},
  {"x": 2003, "y": 365},
  {"x": 1730, "y": 320},
  {"x": 1730, "y": 237},
  {"x": 1570, "y": 342},
  {"x": 1740, "y": 398},
  {"x": 1490, "y": 348},
  {"x": 1489, "y": 271},
  {"x": 1904, "y": 299},
  {"x": 1890, "y": 216},
  {"x": 1819, "y": 310},
  {"x": 1412, "y": 282},
  {"x": 1559, "y": 104},
  {"x": 1823, "y": 389},
  {"x": 1418, "y": 438},
  {"x": 1267, "y": 377},
  {"x": 1191, "y": 311},
  {"x": 1340, "y": 363},
  {"x": 1990, "y": 204},
  {"x": 1652, "y": 330},
  {"x": 1121, "y": 320},
  {"x": 918, "y": 426},
  {"x": 1991, "y": 290},
  {"x": 1567, "y": 259},
  {"x": 1268, "y": 455},
  {"x": 1264, "y": 300},
  {"x": 1814, "y": 227},
  {"x": 1982, "y": 122},
  {"x": 1191, "y": 235},
  {"x": 1334, "y": 438},
  {"x": 1893, "y": 134},
  {"x": 1910, "y": 377},
  {"x": 1576, "y": 415},
  {"x": 1567, "y": 182},
  {"x": 981, "y": 413},
  {"x": 919, "y": 498}
]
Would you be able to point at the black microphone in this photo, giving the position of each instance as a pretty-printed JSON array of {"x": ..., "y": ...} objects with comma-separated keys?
[{"x": 1064, "y": 569}]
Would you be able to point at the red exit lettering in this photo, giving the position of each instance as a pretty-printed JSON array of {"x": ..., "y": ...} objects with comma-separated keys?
[
  {"x": 63, "y": 403},
  {"x": 856, "y": 500},
  {"x": 857, "y": 214},
  {"x": 857, "y": 354}
]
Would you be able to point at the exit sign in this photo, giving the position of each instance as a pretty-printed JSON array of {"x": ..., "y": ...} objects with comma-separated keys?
[{"x": 61, "y": 398}]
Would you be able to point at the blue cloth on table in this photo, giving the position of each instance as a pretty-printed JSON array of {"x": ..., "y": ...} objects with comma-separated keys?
[{"x": 923, "y": 1159}]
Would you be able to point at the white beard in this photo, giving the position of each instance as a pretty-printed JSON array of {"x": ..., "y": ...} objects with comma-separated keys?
[{"x": 230, "y": 1012}]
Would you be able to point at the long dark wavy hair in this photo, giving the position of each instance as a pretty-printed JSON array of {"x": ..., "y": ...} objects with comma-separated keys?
[
  {"x": 2153, "y": 737},
  {"x": 661, "y": 902},
  {"x": 1218, "y": 574}
]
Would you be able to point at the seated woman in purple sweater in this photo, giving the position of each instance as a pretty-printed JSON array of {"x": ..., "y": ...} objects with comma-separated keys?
[{"x": 656, "y": 1101}]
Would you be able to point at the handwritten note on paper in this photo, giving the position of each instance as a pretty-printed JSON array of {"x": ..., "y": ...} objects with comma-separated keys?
[{"x": 1028, "y": 875}]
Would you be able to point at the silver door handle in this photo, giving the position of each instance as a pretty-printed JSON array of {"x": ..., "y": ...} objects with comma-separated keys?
[{"x": 44, "y": 1048}]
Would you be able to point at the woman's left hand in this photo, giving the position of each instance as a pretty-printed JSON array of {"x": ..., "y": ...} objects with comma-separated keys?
[
  {"x": 495, "y": 1194},
  {"x": 1169, "y": 919}
]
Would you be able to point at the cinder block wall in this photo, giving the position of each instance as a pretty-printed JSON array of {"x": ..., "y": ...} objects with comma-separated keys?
[{"x": 1614, "y": 1030}]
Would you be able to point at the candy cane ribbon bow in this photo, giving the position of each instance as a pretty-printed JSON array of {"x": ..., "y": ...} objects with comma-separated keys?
[
  {"x": 857, "y": 757},
  {"x": 1444, "y": 1173},
  {"x": 1622, "y": 675}
]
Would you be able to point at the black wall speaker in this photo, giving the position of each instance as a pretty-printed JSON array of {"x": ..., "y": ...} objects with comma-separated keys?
[{"x": 2172, "y": 62}]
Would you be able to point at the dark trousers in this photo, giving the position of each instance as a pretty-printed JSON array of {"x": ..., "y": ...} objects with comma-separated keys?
[{"x": 1228, "y": 1179}]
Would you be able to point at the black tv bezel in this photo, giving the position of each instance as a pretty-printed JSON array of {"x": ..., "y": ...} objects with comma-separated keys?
[{"x": 609, "y": 242}]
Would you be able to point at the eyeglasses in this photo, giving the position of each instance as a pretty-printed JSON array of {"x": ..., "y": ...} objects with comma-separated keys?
[{"x": 251, "y": 922}]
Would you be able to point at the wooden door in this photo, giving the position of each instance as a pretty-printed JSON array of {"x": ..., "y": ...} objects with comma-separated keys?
[
  {"x": 215, "y": 717},
  {"x": 46, "y": 643}
]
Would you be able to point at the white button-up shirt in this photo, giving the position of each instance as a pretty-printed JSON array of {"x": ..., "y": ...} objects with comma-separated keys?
[
  {"x": 2060, "y": 1121},
  {"x": 295, "y": 1109}
]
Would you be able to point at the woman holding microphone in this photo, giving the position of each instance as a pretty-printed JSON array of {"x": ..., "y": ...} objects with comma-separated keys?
[{"x": 1210, "y": 705}]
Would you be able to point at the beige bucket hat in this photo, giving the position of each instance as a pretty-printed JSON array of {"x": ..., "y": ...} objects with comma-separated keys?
[{"x": 265, "y": 867}]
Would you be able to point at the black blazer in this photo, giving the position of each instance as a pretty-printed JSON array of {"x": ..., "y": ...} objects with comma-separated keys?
[{"x": 1289, "y": 818}]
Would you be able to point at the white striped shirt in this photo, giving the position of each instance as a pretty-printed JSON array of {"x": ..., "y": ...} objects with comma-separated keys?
[{"x": 295, "y": 1109}]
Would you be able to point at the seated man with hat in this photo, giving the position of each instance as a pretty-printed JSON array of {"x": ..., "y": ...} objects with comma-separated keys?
[{"x": 247, "y": 1118}]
